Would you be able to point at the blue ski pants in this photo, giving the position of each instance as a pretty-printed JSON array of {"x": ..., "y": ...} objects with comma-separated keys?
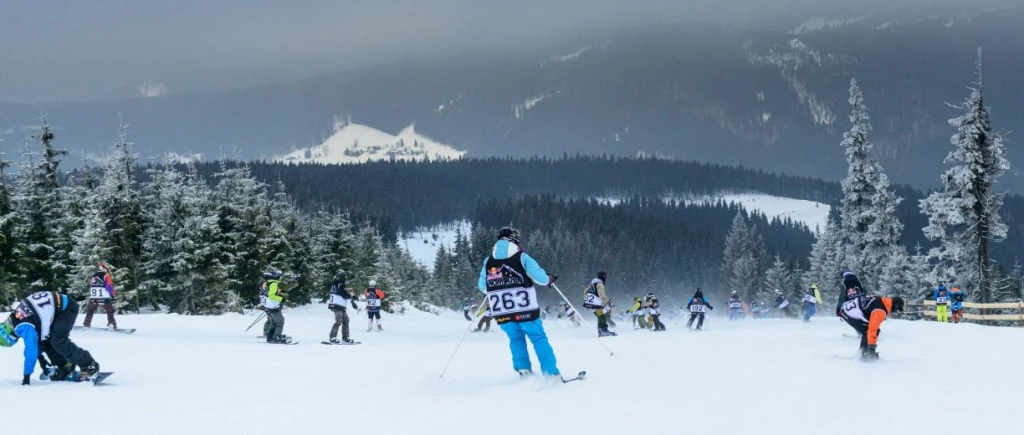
[
  {"x": 809, "y": 311},
  {"x": 517, "y": 333}
]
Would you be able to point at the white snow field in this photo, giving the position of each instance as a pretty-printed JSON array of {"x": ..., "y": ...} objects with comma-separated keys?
[{"x": 204, "y": 375}]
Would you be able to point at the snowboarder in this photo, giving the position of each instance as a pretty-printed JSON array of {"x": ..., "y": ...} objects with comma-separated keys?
[
  {"x": 957, "y": 305},
  {"x": 595, "y": 298},
  {"x": 810, "y": 304},
  {"x": 655, "y": 310},
  {"x": 101, "y": 292},
  {"x": 271, "y": 297},
  {"x": 735, "y": 306},
  {"x": 851, "y": 288},
  {"x": 484, "y": 324},
  {"x": 507, "y": 279},
  {"x": 374, "y": 299},
  {"x": 465, "y": 309},
  {"x": 782, "y": 304},
  {"x": 44, "y": 320},
  {"x": 697, "y": 305},
  {"x": 865, "y": 313},
  {"x": 755, "y": 309},
  {"x": 941, "y": 296},
  {"x": 609, "y": 313},
  {"x": 639, "y": 313},
  {"x": 340, "y": 298}
]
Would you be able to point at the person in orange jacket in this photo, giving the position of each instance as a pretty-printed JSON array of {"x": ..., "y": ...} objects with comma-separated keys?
[{"x": 865, "y": 313}]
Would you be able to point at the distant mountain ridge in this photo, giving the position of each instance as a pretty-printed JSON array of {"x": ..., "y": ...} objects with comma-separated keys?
[
  {"x": 770, "y": 99},
  {"x": 354, "y": 143}
]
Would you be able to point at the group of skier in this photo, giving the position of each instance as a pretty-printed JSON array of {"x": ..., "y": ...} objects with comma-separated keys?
[
  {"x": 273, "y": 294},
  {"x": 947, "y": 303}
]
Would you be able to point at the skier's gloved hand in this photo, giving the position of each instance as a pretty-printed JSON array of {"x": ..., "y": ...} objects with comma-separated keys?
[
  {"x": 354, "y": 307},
  {"x": 26, "y": 380},
  {"x": 552, "y": 279}
]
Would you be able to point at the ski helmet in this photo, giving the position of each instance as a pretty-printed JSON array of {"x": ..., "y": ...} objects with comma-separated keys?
[
  {"x": 602, "y": 275},
  {"x": 268, "y": 275},
  {"x": 340, "y": 276},
  {"x": 7, "y": 337},
  {"x": 897, "y": 304},
  {"x": 509, "y": 233},
  {"x": 276, "y": 273},
  {"x": 373, "y": 283},
  {"x": 778, "y": 292}
]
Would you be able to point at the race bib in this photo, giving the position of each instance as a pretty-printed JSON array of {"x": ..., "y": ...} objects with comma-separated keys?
[
  {"x": 735, "y": 305},
  {"x": 374, "y": 303},
  {"x": 696, "y": 308},
  {"x": 99, "y": 293},
  {"x": 593, "y": 301},
  {"x": 336, "y": 300},
  {"x": 942, "y": 300},
  {"x": 513, "y": 300}
]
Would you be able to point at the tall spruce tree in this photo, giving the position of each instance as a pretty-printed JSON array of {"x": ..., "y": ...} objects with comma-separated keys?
[
  {"x": 37, "y": 204},
  {"x": 826, "y": 261},
  {"x": 8, "y": 253},
  {"x": 963, "y": 217}
]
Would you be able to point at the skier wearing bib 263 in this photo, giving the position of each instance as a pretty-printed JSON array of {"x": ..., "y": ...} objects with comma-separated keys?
[
  {"x": 595, "y": 298},
  {"x": 735, "y": 307},
  {"x": 941, "y": 296},
  {"x": 698, "y": 305},
  {"x": 957, "y": 306},
  {"x": 101, "y": 291},
  {"x": 45, "y": 320},
  {"x": 507, "y": 280},
  {"x": 374, "y": 300},
  {"x": 271, "y": 297},
  {"x": 340, "y": 297},
  {"x": 865, "y": 314}
]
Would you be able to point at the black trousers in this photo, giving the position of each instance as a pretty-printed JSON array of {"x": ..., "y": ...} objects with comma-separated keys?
[
  {"x": 658, "y": 326},
  {"x": 862, "y": 329},
  {"x": 699, "y": 322},
  {"x": 60, "y": 344}
]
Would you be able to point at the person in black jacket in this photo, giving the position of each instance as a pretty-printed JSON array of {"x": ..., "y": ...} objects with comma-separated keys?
[
  {"x": 340, "y": 297},
  {"x": 697, "y": 306},
  {"x": 851, "y": 289}
]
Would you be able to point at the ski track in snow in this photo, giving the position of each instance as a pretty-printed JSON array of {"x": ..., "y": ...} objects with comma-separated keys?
[{"x": 204, "y": 375}]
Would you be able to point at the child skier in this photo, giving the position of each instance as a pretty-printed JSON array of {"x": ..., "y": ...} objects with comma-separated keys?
[
  {"x": 507, "y": 279},
  {"x": 941, "y": 296},
  {"x": 782, "y": 303},
  {"x": 865, "y": 314},
  {"x": 340, "y": 298},
  {"x": 271, "y": 298},
  {"x": 595, "y": 298},
  {"x": 44, "y": 320},
  {"x": 655, "y": 310},
  {"x": 810, "y": 302},
  {"x": 697, "y": 305},
  {"x": 957, "y": 305},
  {"x": 374, "y": 299},
  {"x": 735, "y": 307},
  {"x": 101, "y": 292}
]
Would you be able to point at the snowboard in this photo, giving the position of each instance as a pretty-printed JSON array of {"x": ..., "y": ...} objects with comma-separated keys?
[
  {"x": 288, "y": 343},
  {"x": 98, "y": 378},
  {"x": 120, "y": 330},
  {"x": 341, "y": 343},
  {"x": 579, "y": 377}
]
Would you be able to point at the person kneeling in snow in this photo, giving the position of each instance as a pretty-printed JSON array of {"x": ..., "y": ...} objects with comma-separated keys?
[
  {"x": 507, "y": 280},
  {"x": 865, "y": 314}
]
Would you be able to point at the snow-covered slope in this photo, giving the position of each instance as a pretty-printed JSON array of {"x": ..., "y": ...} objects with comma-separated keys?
[
  {"x": 355, "y": 143},
  {"x": 204, "y": 375},
  {"x": 813, "y": 214},
  {"x": 423, "y": 243}
]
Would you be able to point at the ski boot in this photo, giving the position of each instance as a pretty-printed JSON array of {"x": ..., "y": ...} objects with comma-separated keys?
[
  {"x": 525, "y": 372},
  {"x": 347, "y": 340},
  {"x": 89, "y": 371},
  {"x": 334, "y": 340},
  {"x": 869, "y": 354}
]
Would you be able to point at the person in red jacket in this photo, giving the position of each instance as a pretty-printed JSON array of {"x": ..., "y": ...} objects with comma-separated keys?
[
  {"x": 101, "y": 291},
  {"x": 865, "y": 314}
]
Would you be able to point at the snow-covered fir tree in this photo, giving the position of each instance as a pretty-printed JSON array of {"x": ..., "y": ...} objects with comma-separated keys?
[
  {"x": 37, "y": 205},
  {"x": 333, "y": 247},
  {"x": 7, "y": 242},
  {"x": 181, "y": 249},
  {"x": 243, "y": 218},
  {"x": 778, "y": 277},
  {"x": 742, "y": 259},
  {"x": 826, "y": 261},
  {"x": 963, "y": 217}
]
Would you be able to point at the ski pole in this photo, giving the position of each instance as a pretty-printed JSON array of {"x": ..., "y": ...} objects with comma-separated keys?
[
  {"x": 479, "y": 313},
  {"x": 256, "y": 321},
  {"x": 610, "y": 353}
]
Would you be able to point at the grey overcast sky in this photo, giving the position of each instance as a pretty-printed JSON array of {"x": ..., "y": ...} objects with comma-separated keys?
[{"x": 86, "y": 49}]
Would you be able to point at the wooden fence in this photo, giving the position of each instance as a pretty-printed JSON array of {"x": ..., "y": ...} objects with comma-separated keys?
[{"x": 979, "y": 313}]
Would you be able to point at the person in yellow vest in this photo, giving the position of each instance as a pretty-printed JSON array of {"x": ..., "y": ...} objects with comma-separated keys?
[{"x": 941, "y": 296}]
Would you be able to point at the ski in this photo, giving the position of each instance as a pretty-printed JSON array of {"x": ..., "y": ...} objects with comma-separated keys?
[
  {"x": 579, "y": 376},
  {"x": 341, "y": 343},
  {"x": 122, "y": 331}
]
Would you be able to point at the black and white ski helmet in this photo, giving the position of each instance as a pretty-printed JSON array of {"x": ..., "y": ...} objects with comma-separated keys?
[{"x": 509, "y": 233}]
